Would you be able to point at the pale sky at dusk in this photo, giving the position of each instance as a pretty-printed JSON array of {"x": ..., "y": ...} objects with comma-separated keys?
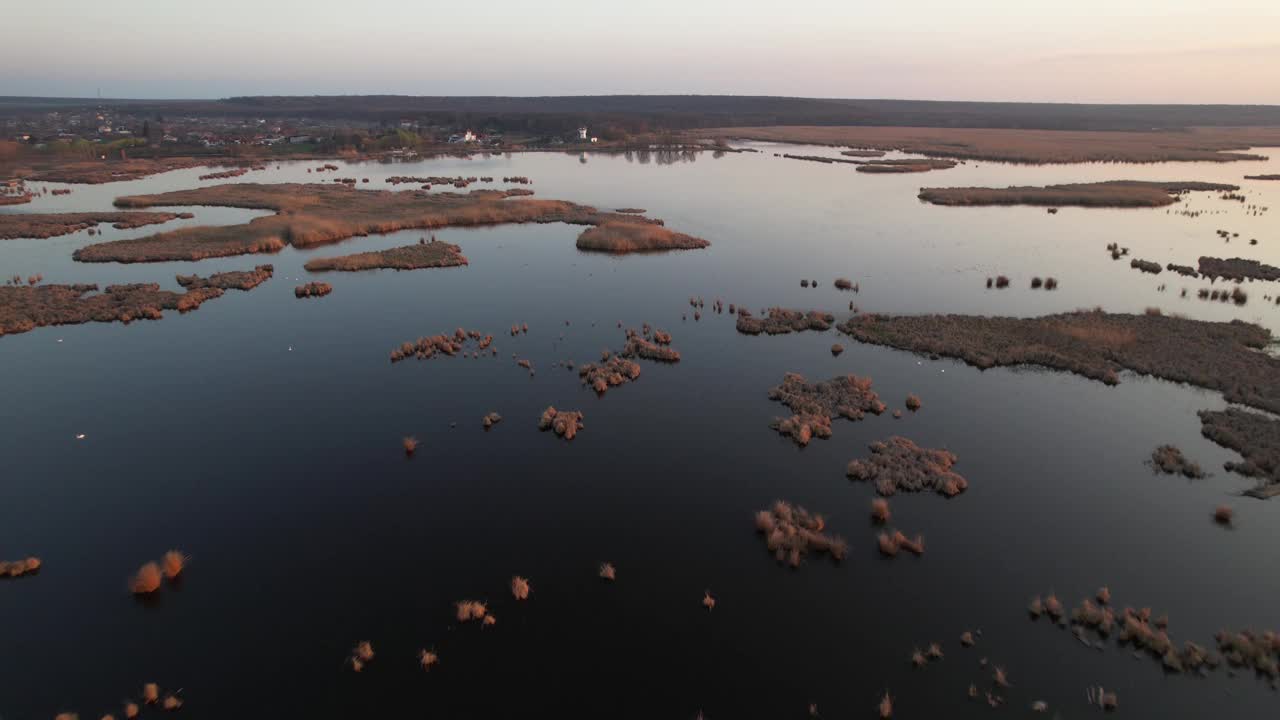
[{"x": 1142, "y": 51}]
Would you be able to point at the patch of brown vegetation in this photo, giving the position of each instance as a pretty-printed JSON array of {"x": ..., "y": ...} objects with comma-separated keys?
[
  {"x": 780, "y": 321},
  {"x": 1169, "y": 460},
  {"x": 26, "y": 308},
  {"x": 610, "y": 372},
  {"x": 18, "y": 568},
  {"x": 1111, "y": 193},
  {"x": 490, "y": 420},
  {"x": 1219, "y": 356},
  {"x": 1262, "y": 177},
  {"x": 622, "y": 237},
  {"x": 147, "y": 580},
  {"x": 905, "y": 165},
  {"x": 863, "y": 153},
  {"x": 1027, "y": 146},
  {"x": 1254, "y": 436},
  {"x": 408, "y": 257},
  {"x": 1237, "y": 269},
  {"x": 47, "y": 225},
  {"x": 307, "y": 215},
  {"x": 236, "y": 279},
  {"x": 899, "y": 465},
  {"x": 312, "y": 289},
  {"x": 791, "y": 533},
  {"x": 425, "y": 348},
  {"x": 97, "y": 172},
  {"x": 815, "y": 404},
  {"x": 565, "y": 423},
  {"x": 638, "y": 346}
]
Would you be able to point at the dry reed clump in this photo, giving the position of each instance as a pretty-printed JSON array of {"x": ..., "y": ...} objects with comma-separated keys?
[
  {"x": 314, "y": 214},
  {"x": 410, "y": 444},
  {"x": 904, "y": 165},
  {"x": 147, "y": 580},
  {"x": 891, "y": 543},
  {"x": 913, "y": 402},
  {"x": 361, "y": 655},
  {"x": 1169, "y": 460},
  {"x": 1262, "y": 177},
  {"x": 629, "y": 211},
  {"x": 1223, "y": 514},
  {"x": 47, "y": 225},
  {"x": 428, "y": 659},
  {"x": 225, "y": 174},
  {"x": 790, "y": 533},
  {"x": 1111, "y": 193},
  {"x": 468, "y": 610},
  {"x": 565, "y": 423},
  {"x": 613, "y": 371},
  {"x": 1237, "y": 269},
  {"x": 638, "y": 346},
  {"x": 1256, "y": 437},
  {"x": 131, "y": 710},
  {"x": 312, "y": 289},
  {"x": 886, "y": 706},
  {"x": 780, "y": 321},
  {"x": 172, "y": 564},
  {"x": 1216, "y": 355},
  {"x": 408, "y": 257},
  {"x": 836, "y": 349},
  {"x": 150, "y": 693},
  {"x": 608, "y": 572},
  {"x": 899, "y": 465},
  {"x": 843, "y": 283},
  {"x": 426, "y": 348},
  {"x": 237, "y": 279},
  {"x": 520, "y": 588},
  {"x": 490, "y": 420},
  {"x": 622, "y": 236},
  {"x": 25, "y": 308},
  {"x": 1183, "y": 270},
  {"x": 1146, "y": 266},
  {"x": 708, "y": 601},
  {"x": 815, "y": 404},
  {"x": 1136, "y": 628},
  {"x": 880, "y": 511},
  {"x": 171, "y": 702},
  {"x": 19, "y": 568}
]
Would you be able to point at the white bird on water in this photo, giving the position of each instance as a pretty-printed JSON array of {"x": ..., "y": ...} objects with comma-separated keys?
[{"x": 80, "y": 436}]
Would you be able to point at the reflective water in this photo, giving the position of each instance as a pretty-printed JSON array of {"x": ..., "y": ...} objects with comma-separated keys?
[{"x": 261, "y": 435}]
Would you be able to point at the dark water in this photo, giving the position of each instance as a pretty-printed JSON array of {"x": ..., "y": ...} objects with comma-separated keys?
[{"x": 261, "y": 435}]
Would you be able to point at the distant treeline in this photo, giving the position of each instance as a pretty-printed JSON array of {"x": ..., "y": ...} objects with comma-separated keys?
[{"x": 648, "y": 113}]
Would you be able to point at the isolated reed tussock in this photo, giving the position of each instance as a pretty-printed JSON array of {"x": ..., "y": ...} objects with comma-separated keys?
[
  {"x": 490, "y": 420},
  {"x": 172, "y": 564},
  {"x": 708, "y": 601},
  {"x": 410, "y": 445},
  {"x": 880, "y": 510},
  {"x": 19, "y": 568},
  {"x": 468, "y": 610},
  {"x": 312, "y": 289},
  {"x": 791, "y": 533},
  {"x": 608, "y": 572},
  {"x": 913, "y": 402},
  {"x": 520, "y": 588},
  {"x": 565, "y": 423},
  {"x": 147, "y": 580},
  {"x": 886, "y": 706},
  {"x": 1223, "y": 514},
  {"x": 171, "y": 702},
  {"x": 428, "y": 659},
  {"x": 150, "y": 693},
  {"x": 1169, "y": 460}
]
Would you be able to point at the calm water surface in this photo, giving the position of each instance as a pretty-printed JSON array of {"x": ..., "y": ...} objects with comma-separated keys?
[{"x": 261, "y": 435}]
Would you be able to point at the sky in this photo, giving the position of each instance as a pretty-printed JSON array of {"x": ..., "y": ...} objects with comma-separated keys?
[{"x": 1106, "y": 51}]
